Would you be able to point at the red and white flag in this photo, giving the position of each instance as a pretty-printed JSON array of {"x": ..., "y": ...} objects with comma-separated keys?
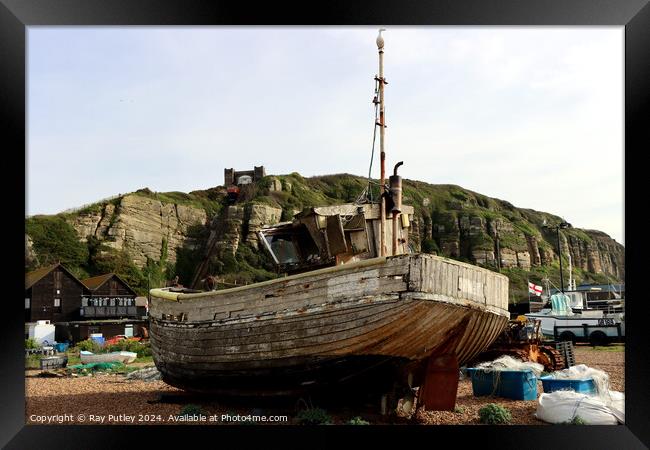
[{"x": 534, "y": 289}]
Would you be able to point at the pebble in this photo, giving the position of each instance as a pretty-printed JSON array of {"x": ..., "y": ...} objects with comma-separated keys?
[{"x": 131, "y": 395}]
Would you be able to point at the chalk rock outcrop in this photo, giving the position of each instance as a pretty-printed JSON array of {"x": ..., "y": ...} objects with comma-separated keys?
[{"x": 139, "y": 225}]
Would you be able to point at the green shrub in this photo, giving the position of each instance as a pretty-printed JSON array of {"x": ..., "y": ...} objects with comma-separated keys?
[
  {"x": 90, "y": 346},
  {"x": 30, "y": 343},
  {"x": 493, "y": 414},
  {"x": 429, "y": 246},
  {"x": 313, "y": 416},
  {"x": 33, "y": 361},
  {"x": 357, "y": 421},
  {"x": 56, "y": 240},
  {"x": 577, "y": 420},
  {"x": 128, "y": 345}
]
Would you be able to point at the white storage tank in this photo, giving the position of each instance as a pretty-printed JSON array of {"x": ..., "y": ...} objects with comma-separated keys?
[{"x": 41, "y": 331}]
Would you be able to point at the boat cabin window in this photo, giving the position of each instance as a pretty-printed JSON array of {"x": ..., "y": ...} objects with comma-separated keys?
[
  {"x": 292, "y": 247},
  {"x": 283, "y": 248}
]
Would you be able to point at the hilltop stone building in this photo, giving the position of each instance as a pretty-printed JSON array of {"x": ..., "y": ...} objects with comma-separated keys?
[{"x": 233, "y": 177}]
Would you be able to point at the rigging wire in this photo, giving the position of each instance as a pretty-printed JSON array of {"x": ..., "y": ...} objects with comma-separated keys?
[
  {"x": 374, "y": 138},
  {"x": 366, "y": 195}
]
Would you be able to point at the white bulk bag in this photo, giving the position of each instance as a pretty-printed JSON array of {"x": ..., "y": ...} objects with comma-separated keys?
[{"x": 564, "y": 406}]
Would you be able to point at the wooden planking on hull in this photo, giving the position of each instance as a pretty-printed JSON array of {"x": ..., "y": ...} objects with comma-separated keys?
[
  {"x": 279, "y": 287},
  {"x": 279, "y": 330},
  {"x": 233, "y": 327},
  {"x": 360, "y": 283},
  {"x": 395, "y": 335},
  {"x": 335, "y": 343},
  {"x": 305, "y": 335},
  {"x": 257, "y": 303},
  {"x": 494, "y": 324},
  {"x": 407, "y": 307}
]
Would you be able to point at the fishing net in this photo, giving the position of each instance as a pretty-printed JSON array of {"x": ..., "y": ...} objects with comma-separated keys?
[
  {"x": 597, "y": 409},
  {"x": 494, "y": 368},
  {"x": 506, "y": 362},
  {"x": 583, "y": 372},
  {"x": 146, "y": 374},
  {"x": 97, "y": 366}
]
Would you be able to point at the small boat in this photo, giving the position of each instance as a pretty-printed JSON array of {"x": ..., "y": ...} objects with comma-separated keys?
[
  {"x": 570, "y": 318},
  {"x": 123, "y": 357},
  {"x": 351, "y": 309},
  {"x": 588, "y": 313}
]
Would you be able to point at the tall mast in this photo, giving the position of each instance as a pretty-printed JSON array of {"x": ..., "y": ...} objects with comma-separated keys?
[
  {"x": 571, "y": 286},
  {"x": 382, "y": 158}
]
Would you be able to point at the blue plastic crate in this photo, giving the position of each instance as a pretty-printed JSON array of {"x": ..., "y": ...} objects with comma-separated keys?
[
  {"x": 61, "y": 347},
  {"x": 513, "y": 384},
  {"x": 584, "y": 386}
]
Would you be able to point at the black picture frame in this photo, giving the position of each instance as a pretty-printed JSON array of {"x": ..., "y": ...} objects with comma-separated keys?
[{"x": 634, "y": 15}]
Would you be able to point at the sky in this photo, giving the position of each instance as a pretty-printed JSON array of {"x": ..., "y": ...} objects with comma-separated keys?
[{"x": 531, "y": 115}]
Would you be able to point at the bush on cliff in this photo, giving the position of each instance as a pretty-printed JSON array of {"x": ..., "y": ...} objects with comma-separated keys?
[{"x": 55, "y": 240}]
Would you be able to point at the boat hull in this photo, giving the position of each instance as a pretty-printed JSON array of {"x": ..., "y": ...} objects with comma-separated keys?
[
  {"x": 122, "y": 357},
  {"x": 576, "y": 324},
  {"x": 377, "y": 321}
]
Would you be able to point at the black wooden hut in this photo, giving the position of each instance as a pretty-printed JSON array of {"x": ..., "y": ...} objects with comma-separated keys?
[
  {"x": 108, "y": 296},
  {"x": 52, "y": 293}
]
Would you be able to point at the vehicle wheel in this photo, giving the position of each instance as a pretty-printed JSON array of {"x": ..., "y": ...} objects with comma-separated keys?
[
  {"x": 567, "y": 336},
  {"x": 598, "y": 338}
]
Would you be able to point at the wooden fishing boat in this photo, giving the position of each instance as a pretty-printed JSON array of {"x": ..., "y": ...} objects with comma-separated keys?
[
  {"x": 122, "y": 356},
  {"x": 328, "y": 326},
  {"x": 351, "y": 310}
]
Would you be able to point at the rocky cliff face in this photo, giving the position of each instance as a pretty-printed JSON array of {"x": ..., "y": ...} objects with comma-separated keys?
[
  {"x": 479, "y": 239},
  {"x": 30, "y": 255},
  {"x": 601, "y": 254},
  {"x": 139, "y": 225}
]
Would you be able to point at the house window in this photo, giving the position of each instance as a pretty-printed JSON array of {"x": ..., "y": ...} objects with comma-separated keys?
[
  {"x": 57, "y": 302},
  {"x": 58, "y": 292},
  {"x": 27, "y": 303}
]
